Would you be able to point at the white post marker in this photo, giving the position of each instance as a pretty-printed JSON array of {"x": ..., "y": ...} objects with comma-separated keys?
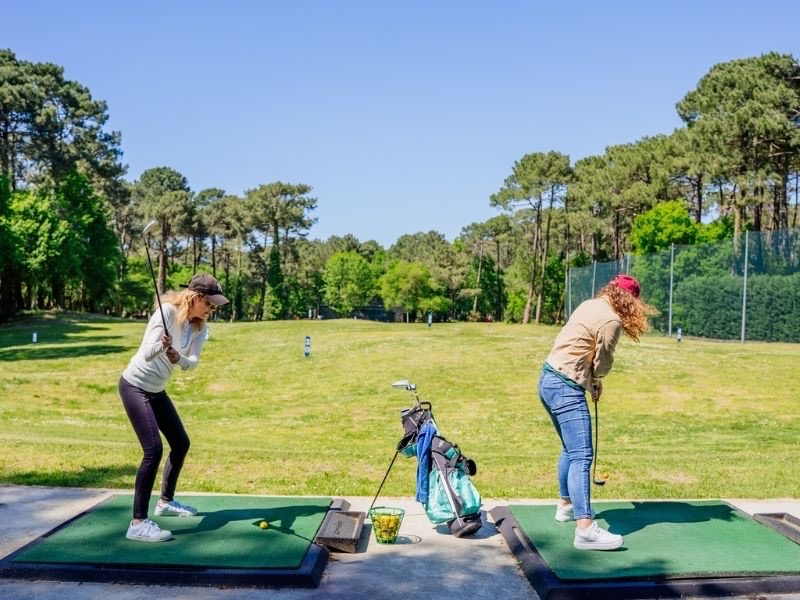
[
  {"x": 307, "y": 346},
  {"x": 35, "y": 337}
]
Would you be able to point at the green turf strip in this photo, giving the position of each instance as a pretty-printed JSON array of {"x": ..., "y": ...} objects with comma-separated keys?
[
  {"x": 225, "y": 534},
  {"x": 662, "y": 540}
]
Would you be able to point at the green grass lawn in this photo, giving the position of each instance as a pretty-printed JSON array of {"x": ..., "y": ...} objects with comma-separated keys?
[{"x": 696, "y": 419}]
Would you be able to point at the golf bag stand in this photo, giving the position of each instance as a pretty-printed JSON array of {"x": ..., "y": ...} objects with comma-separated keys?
[{"x": 467, "y": 514}]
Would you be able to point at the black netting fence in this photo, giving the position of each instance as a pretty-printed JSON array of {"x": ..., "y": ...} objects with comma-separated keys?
[{"x": 747, "y": 289}]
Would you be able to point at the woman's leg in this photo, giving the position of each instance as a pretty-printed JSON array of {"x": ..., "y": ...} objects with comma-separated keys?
[
  {"x": 562, "y": 469},
  {"x": 570, "y": 415},
  {"x": 171, "y": 425},
  {"x": 140, "y": 412}
]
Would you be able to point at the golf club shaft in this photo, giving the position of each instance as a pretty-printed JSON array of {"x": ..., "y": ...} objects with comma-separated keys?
[
  {"x": 596, "y": 446},
  {"x": 384, "y": 479},
  {"x": 145, "y": 235}
]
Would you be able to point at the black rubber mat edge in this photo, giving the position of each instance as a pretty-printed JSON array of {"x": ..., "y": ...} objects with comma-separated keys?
[
  {"x": 308, "y": 574},
  {"x": 549, "y": 587}
]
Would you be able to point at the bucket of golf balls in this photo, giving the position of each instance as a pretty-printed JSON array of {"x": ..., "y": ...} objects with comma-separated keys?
[{"x": 386, "y": 523}]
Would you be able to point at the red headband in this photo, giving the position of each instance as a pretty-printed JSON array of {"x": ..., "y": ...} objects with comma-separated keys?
[{"x": 627, "y": 283}]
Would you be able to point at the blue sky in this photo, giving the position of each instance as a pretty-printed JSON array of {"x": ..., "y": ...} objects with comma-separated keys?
[{"x": 403, "y": 116}]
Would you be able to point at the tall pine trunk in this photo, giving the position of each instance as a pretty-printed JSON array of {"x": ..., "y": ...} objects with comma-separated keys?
[
  {"x": 478, "y": 281},
  {"x": 543, "y": 279},
  {"x": 526, "y": 316}
]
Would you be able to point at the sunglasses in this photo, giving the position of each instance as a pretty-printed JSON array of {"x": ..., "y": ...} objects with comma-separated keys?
[{"x": 212, "y": 307}]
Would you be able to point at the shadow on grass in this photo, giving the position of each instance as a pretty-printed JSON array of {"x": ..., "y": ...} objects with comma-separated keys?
[
  {"x": 627, "y": 520},
  {"x": 90, "y": 477},
  {"x": 58, "y": 335},
  {"x": 71, "y": 350}
]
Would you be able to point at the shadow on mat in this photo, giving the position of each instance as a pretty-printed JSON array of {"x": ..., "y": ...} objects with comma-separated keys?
[
  {"x": 280, "y": 518},
  {"x": 642, "y": 514}
]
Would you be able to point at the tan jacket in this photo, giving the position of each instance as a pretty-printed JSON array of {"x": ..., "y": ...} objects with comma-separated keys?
[{"x": 584, "y": 348}]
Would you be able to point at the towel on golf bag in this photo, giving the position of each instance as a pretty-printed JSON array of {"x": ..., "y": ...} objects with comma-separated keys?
[{"x": 423, "y": 451}]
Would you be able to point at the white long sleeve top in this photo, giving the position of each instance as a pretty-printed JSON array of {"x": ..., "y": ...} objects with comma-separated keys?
[{"x": 150, "y": 369}]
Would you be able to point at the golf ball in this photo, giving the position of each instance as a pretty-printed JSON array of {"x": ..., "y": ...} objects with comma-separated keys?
[
  {"x": 263, "y": 524},
  {"x": 605, "y": 475}
]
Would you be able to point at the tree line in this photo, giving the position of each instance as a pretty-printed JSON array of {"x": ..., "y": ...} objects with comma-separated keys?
[{"x": 71, "y": 224}]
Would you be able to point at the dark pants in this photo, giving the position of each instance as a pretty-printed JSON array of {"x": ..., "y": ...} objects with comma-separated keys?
[{"x": 151, "y": 412}]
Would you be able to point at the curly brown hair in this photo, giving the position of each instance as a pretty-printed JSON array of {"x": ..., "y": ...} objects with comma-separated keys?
[{"x": 631, "y": 310}]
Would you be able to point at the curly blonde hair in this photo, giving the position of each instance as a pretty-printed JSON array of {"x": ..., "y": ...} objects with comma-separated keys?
[
  {"x": 631, "y": 310},
  {"x": 183, "y": 302}
]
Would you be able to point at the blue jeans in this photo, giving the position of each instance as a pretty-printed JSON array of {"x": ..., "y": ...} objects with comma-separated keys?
[{"x": 569, "y": 412}]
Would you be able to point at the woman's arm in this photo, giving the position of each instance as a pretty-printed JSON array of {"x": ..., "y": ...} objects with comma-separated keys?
[
  {"x": 153, "y": 343},
  {"x": 605, "y": 343},
  {"x": 191, "y": 359}
]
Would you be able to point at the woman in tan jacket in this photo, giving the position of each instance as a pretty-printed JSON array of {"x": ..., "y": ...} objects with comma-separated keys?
[{"x": 582, "y": 355}]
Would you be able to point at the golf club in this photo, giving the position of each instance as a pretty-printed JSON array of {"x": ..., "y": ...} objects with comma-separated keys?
[
  {"x": 403, "y": 384},
  {"x": 380, "y": 487},
  {"x": 595, "y": 480},
  {"x": 146, "y": 236}
]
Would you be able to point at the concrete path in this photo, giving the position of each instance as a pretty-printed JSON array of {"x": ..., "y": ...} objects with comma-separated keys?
[{"x": 425, "y": 564}]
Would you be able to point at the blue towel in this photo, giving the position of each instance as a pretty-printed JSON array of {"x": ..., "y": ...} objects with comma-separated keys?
[{"x": 424, "y": 441}]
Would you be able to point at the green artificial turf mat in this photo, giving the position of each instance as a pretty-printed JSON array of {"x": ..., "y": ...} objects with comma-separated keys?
[
  {"x": 662, "y": 540},
  {"x": 224, "y": 534}
]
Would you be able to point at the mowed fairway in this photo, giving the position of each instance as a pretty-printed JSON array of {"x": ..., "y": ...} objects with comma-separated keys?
[{"x": 696, "y": 419}]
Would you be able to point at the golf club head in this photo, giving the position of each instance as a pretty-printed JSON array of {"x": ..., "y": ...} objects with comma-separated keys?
[
  {"x": 596, "y": 481},
  {"x": 149, "y": 227},
  {"x": 403, "y": 384}
]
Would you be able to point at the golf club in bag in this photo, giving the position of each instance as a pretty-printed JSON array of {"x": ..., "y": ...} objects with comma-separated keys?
[{"x": 443, "y": 473}]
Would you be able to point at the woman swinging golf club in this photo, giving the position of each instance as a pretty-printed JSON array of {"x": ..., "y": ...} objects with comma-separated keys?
[
  {"x": 174, "y": 336},
  {"x": 582, "y": 355}
]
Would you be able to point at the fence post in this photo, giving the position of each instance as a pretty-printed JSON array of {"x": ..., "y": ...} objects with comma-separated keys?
[
  {"x": 744, "y": 287},
  {"x": 671, "y": 264},
  {"x": 569, "y": 293}
]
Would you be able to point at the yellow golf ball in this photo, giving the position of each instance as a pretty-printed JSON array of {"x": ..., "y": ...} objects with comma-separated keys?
[
  {"x": 263, "y": 524},
  {"x": 605, "y": 475}
]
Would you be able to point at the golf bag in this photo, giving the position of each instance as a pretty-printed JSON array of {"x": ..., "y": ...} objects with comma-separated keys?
[{"x": 443, "y": 473}]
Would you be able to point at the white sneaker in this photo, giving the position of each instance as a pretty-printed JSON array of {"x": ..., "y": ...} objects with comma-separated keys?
[
  {"x": 147, "y": 531},
  {"x": 565, "y": 513},
  {"x": 173, "y": 508},
  {"x": 596, "y": 538}
]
